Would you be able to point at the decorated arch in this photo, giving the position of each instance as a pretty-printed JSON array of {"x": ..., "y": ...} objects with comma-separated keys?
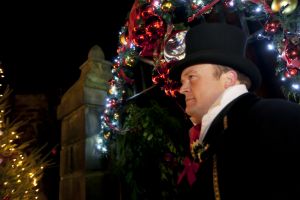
[
  {"x": 153, "y": 35},
  {"x": 154, "y": 32}
]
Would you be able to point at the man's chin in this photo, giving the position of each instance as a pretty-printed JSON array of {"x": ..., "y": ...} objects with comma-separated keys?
[
  {"x": 189, "y": 112},
  {"x": 193, "y": 115}
]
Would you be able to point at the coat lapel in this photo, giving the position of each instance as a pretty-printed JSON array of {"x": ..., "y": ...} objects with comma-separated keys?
[{"x": 221, "y": 122}]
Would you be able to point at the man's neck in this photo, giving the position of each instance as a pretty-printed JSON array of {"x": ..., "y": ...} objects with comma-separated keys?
[{"x": 228, "y": 95}]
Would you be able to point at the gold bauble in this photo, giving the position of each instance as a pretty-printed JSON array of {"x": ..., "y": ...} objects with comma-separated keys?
[
  {"x": 123, "y": 39},
  {"x": 167, "y": 6},
  {"x": 129, "y": 61},
  {"x": 278, "y": 4},
  {"x": 106, "y": 135},
  {"x": 116, "y": 116}
]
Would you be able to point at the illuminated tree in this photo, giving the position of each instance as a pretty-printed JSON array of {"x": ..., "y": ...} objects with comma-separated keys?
[{"x": 21, "y": 166}]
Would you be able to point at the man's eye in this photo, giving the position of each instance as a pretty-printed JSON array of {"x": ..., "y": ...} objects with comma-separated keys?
[{"x": 191, "y": 76}]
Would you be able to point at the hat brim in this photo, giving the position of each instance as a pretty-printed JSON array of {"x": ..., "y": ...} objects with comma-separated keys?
[{"x": 241, "y": 64}]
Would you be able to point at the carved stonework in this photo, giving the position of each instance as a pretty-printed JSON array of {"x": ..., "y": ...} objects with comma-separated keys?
[
  {"x": 98, "y": 70},
  {"x": 80, "y": 111},
  {"x": 92, "y": 85}
]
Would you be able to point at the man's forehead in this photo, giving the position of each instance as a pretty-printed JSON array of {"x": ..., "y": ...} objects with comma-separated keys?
[{"x": 196, "y": 68}]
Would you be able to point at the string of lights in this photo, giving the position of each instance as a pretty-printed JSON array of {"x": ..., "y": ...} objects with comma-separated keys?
[
  {"x": 155, "y": 31},
  {"x": 20, "y": 172}
]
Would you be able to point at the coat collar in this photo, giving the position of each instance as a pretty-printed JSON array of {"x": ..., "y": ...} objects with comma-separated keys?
[{"x": 239, "y": 106}]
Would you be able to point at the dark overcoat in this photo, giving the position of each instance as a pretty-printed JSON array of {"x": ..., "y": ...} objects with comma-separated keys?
[{"x": 254, "y": 152}]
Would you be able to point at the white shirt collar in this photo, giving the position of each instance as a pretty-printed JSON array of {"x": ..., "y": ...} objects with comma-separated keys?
[{"x": 228, "y": 95}]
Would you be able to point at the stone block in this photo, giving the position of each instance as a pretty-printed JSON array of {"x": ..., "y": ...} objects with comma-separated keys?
[
  {"x": 71, "y": 100},
  {"x": 92, "y": 119},
  {"x": 72, "y": 187},
  {"x": 72, "y": 158},
  {"x": 94, "y": 160},
  {"x": 73, "y": 126},
  {"x": 94, "y": 96}
]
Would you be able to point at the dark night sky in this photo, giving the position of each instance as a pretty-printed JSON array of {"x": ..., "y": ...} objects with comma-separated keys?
[{"x": 43, "y": 45}]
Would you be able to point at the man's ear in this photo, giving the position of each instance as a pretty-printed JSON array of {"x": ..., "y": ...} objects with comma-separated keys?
[{"x": 230, "y": 78}]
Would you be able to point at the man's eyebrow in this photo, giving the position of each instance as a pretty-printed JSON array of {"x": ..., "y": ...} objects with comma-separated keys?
[{"x": 188, "y": 72}]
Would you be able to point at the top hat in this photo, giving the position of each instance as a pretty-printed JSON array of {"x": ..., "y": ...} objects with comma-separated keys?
[{"x": 217, "y": 43}]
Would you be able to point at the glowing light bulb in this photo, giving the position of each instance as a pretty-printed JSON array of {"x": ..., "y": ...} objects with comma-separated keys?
[
  {"x": 34, "y": 182},
  {"x": 258, "y": 9},
  {"x": 295, "y": 86},
  {"x": 271, "y": 47}
]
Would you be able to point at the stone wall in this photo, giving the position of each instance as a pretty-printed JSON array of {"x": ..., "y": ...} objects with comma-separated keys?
[{"x": 83, "y": 175}]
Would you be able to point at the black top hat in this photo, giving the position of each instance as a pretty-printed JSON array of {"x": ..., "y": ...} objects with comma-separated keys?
[{"x": 217, "y": 43}]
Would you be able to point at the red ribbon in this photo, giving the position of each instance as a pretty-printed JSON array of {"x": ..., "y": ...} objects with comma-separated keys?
[
  {"x": 190, "y": 170},
  {"x": 209, "y": 6},
  {"x": 203, "y": 10},
  {"x": 290, "y": 63},
  {"x": 123, "y": 75},
  {"x": 265, "y": 5},
  {"x": 132, "y": 19}
]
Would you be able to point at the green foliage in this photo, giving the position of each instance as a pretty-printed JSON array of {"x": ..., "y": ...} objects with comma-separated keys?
[{"x": 148, "y": 153}]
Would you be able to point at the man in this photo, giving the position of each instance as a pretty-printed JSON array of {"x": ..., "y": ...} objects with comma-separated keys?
[{"x": 249, "y": 147}]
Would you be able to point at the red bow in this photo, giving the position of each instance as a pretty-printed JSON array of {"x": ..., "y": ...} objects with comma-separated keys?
[{"x": 190, "y": 170}]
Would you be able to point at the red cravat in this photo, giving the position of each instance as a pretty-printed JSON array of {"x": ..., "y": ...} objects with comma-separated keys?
[
  {"x": 190, "y": 167},
  {"x": 194, "y": 133}
]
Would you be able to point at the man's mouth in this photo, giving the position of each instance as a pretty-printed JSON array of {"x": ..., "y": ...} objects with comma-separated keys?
[{"x": 189, "y": 100}]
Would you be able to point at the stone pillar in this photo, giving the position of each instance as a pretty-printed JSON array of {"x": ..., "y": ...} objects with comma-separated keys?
[{"x": 82, "y": 173}]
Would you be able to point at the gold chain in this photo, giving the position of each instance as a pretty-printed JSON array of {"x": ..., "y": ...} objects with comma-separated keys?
[{"x": 215, "y": 179}]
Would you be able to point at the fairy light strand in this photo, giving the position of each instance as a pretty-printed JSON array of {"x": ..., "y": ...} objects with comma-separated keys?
[{"x": 136, "y": 37}]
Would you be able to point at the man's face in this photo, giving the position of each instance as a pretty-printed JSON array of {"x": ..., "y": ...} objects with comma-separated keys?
[{"x": 201, "y": 89}]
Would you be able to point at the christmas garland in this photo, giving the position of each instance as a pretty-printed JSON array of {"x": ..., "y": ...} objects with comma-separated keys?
[{"x": 147, "y": 155}]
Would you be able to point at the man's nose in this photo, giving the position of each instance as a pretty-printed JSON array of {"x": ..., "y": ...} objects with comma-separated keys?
[{"x": 183, "y": 89}]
